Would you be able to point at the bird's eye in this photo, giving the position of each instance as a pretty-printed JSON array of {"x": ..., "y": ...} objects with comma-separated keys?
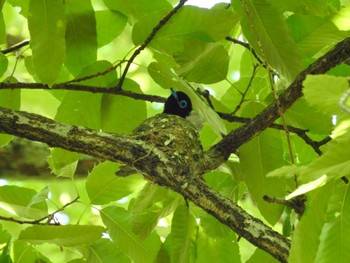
[{"x": 183, "y": 104}]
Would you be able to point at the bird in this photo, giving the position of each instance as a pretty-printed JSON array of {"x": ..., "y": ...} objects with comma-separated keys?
[
  {"x": 178, "y": 103},
  {"x": 169, "y": 133}
]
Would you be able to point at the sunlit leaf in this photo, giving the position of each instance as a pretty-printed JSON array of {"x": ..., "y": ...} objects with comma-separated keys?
[
  {"x": 17, "y": 200},
  {"x": 183, "y": 234},
  {"x": 120, "y": 114},
  {"x": 104, "y": 250},
  {"x": 216, "y": 250},
  {"x": 265, "y": 28},
  {"x": 109, "y": 25},
  {"x": 319, "y": 237},
  {"x": 67, "y": 236},
  {"x": 202, "y": 63},
  {"x": 258, "y": 157},
  {"x": 152, "y": 204},
  {"x": 80, "y": 108},
  {"x": 140, "y": 250},
  {"x": 104, "y": 186},
  {"x": 308, "y": 187},
  {"x": 138, "y": 9},
  {"x": 24, "y": 252},
  {"x": 190, "y": 22},
  {"x": 313, "y": 33},
  {"x": 62, "y": 162},
  {"x": 46, "y": 22},
  {"x": 81, "y": 38},
  {"x": 324, "y": 92},
  {"x": 306, "y": 7},
  {"x": 302, "y": 115},
  {"x": 3, "y": 62}
]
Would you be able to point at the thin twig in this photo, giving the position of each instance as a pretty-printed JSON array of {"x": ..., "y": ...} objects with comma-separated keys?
[
  {"x": 49, "y": 217},
  {"x": 206, "y": 95},
  {"x": 98, "y": 74},
  {"x": 246, "y": 90},
  {"x": 300, "y": 132},
  {"x": 76, "y": 87},
  {"x": 16, "y": 46},
  {"x": 297, "y": 203},
  {"x": 148, "y": 40},
  {"x": 247, "y": 46}
]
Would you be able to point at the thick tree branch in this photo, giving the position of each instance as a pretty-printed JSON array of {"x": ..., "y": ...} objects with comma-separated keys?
[
  {"x": 243, "y": 134},
  {"x": 166, "y": 150}
]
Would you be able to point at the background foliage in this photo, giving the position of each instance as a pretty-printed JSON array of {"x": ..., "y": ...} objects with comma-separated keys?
[{"x": 245, "y": 54}]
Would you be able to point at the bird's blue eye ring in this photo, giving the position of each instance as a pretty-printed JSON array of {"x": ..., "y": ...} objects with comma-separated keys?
[{"x": 183, "y": 104}]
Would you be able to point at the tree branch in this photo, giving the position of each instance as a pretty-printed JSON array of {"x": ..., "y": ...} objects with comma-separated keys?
[
  {"x": 166, "y": 150},
  {"x": 48, "y": 217},
  {"x": 222, "y": 150},
  {"x": 16, "y": 46},
  {"x": 77, "y": 87}
]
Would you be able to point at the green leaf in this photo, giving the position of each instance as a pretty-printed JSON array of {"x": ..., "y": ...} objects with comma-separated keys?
[
  {"x": 5, "y": 255},
  {"x": 98, "y": 80},
  {"x": 303, "y": 115},
  {"x": 214, "y": 229},
  {"x": 304, "y": 188},
  {"x": 3, "y": 60},
  {"x": 313, "y": 33},
  {"x": 119, "y": 228},
  {"x": 312, "y": 7},
  {"x": 46, "y": 22},
  {"x": 81, "y": 38},
  {"x": 104, "y": 250},
  {"x": 189, "y": 22},
  {"x": 153, "y": 203},
  {"x": 213, "y": 250},
  {"x": 315, "y": 227},
  {"x": 202, "y": 63},
  {"x": 183, "y": 235},
  {"x": 19, "y": 201},
  {"x": 22, "y": 252},
  {"x": 103, "y": 186},
  {"x": 80, "y": 108},
  {"x": 8, "y": 99},
  {"x": 138, "y": 9},
  {"x": 109, "y": 25},
  {"x": 335, "y": 235},
  {"x": 261, "y": 155},
  {"x": 66, "y": 236},
  {"x": 324, "y": 92},
  {"x": 261, "y": 256},
  {"x": 2, "y": 29},
  {"x": 266, "y": 30},
  {"x": 333, "y": 163},
  {"x": 4, "y": 236},
  {"x": 121, "y": 114},
  {"x": 62, "y": 162}
]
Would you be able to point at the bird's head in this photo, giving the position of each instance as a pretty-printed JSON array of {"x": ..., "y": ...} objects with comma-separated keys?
[{"x": 178, "y": 103}]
